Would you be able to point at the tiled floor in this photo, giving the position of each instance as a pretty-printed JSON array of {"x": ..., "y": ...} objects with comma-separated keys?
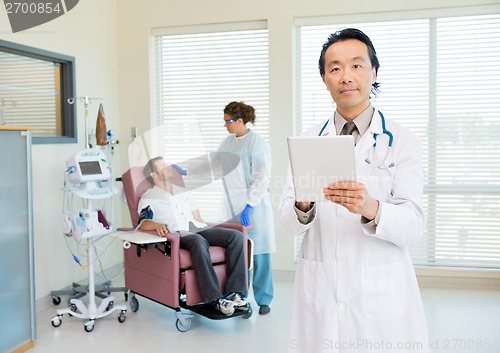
[{"x": 459, "y": 321}]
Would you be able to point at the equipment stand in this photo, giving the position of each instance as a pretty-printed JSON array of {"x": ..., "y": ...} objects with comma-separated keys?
[{"x": 92, "y": 312}]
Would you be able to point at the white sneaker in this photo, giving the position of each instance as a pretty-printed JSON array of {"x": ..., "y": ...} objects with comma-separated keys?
[
  {"x": 225, "y": 306},
  {"x": 239, "y": 302}
]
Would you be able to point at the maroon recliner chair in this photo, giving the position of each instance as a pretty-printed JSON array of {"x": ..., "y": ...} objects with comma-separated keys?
[{"x": 163, "y": 272}]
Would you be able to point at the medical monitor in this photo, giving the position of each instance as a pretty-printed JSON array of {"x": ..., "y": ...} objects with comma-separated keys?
[{"x": 89, "y": 165}]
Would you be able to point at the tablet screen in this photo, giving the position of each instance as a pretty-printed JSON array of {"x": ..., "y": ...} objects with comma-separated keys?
[{"x": 317, "y": 161}]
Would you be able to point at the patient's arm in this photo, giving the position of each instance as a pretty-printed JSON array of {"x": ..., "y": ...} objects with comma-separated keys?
[{"x": 160, "y": 228}]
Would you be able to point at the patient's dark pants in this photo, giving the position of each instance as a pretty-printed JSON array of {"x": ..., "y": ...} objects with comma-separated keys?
[{"x": 198, "y": 241}]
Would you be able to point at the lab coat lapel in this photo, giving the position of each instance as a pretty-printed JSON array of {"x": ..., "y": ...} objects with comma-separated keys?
[{"x": 366, "y": 141}]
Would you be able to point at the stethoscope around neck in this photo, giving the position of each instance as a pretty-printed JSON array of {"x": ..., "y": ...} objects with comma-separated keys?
[{"x": 375, "y": 135}]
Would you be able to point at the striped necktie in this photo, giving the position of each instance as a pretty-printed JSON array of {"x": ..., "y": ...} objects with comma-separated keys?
[{"x": 348, "y": 128}]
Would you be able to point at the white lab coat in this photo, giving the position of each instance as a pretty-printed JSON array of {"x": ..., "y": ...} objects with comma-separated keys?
[
  {"x": 355, "y": 286},
  {"x": 249, "y": 185}
]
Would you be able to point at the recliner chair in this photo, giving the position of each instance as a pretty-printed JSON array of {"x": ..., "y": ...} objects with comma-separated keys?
[{"x": 162, "y": 271}]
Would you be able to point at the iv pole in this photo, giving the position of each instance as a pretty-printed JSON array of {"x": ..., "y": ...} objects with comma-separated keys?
[
  {"x": 106, "y": 307},
  {"x": 86, "y": 102}
]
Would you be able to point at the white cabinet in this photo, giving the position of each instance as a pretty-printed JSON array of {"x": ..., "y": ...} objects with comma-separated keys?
[{"x": 17, "y": 294}]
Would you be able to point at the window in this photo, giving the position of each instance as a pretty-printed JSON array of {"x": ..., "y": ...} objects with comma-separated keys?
[
  {"x": 440, "y": 77},
  {"x": 35, "y": 86},
  {"x": 197, "y": 72}
]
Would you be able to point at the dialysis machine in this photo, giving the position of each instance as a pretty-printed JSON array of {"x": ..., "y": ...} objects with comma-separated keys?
[{"x": 90, "y": 176}]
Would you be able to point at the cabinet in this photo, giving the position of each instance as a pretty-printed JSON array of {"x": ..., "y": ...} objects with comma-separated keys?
[{"x": 17, "y": 293}]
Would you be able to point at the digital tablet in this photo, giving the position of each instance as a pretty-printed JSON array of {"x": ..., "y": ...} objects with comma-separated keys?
[{"x": 317, "y": 161}]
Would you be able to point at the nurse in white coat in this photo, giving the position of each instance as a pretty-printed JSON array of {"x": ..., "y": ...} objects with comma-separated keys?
[
  {"x": 355, "y": 287},
  {"x": 249, "y": 195}
]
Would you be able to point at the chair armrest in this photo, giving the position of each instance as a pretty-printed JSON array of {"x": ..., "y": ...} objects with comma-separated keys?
[
  {"x": 174, "y": 238},
  {"x": 231, "y": 225}
]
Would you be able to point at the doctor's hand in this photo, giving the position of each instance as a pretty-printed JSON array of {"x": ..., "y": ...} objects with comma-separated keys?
[
  {"x": 179, "y": 169},
  {"x": 245, "y": 215},
  {"x": 353, "y": 196}
]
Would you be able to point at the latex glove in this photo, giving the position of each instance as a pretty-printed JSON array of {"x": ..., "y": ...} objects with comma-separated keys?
[
  {"x": 245, "y": 215},
  {"x": 179, "y": 169}
]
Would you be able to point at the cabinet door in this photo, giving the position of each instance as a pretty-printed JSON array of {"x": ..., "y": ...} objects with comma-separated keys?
[{"x": 16, "y": 296}]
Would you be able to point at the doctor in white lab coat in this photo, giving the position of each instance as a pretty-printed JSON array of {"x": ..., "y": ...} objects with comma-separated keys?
[{"x": 355, "y": 287}]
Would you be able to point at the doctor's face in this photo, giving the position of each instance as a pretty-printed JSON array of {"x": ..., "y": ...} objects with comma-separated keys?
[{"x": 349, "y": 76}]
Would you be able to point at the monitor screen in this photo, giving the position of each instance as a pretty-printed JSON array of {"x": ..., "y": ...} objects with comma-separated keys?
[{"x": 90, "y": 168}]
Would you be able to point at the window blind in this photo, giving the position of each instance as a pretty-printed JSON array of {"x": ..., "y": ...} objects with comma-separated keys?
[
  {"x": 440, "y": 77},
  {"x": 196, "y": 75},
  {"x": 30, "y": 93}
]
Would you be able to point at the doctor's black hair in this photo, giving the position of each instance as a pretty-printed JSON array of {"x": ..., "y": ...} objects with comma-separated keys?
[
  {"x": 241, "y": 110},
  {"x": 150, "y": 167},
  {"x": 343, "y": 35}
]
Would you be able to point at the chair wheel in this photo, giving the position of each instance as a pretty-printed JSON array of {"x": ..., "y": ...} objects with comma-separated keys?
[
  {"x": 183, "y": 325},
  {"x": 134, "y": 304}
]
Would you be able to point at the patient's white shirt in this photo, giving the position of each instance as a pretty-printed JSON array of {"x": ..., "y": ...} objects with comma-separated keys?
[{"x": 174, "y": 210}]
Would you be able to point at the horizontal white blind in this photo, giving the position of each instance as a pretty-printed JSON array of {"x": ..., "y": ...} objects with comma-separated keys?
[
  {"x": 30, "y": 93},
  {"x": 439, "y": 77},
  {"x": 196, "y": 76}
]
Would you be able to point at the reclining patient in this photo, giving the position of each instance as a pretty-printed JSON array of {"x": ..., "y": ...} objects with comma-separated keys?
[{"x": 162, "y": 211}]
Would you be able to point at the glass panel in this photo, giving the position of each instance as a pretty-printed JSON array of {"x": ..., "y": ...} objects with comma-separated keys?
[{"x": 15, "y": 302}]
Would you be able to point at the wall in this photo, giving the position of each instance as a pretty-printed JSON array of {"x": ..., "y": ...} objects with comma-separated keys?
[
  {"x": 135, "y": 22},
  {"x": 88, "y": 33}
]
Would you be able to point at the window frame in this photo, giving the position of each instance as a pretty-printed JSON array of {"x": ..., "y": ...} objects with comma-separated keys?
[
  {"x": 68, "y": 84},
  {"x": 196, "y": 123},
  {"x": 431, "y": 15}
]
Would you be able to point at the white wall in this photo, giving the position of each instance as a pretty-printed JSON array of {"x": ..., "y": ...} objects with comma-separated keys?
[
  {"x": 88, "y": 33},
  {"x": 136, "y": 21}
]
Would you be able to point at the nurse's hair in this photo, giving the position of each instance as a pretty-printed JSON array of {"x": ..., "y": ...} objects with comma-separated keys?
[
  {"x": 241, "y": 110},
  {"x": 346, "y": 34},
  {"x": 150, "y": 167}
]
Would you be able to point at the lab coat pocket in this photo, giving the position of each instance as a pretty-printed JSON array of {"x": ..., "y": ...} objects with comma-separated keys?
[
  {"x": 313, "y": 280},
  {"x": 380, "y": 184},
  {"x": 384, "y": 293}
]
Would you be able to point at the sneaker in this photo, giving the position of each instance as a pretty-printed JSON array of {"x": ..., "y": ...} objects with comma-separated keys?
[
  {"x": 239, "y": 302},
  {"x": 225, "y": 306}
]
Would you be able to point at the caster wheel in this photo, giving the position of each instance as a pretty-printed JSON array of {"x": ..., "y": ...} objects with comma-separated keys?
[
  {"x": 248, "y": 313},
  {"x": 183, "y": 325},
  {"x": 56, "y": 322},
  {"x": 122, "y": 317},
  {"x": 134, "y": 304},
  {"x": 72, "y": 307},
  {"x": 89, "y": 326},
  {"x": 56, "y": 300}
]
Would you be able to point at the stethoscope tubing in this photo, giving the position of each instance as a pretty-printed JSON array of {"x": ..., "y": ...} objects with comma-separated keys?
[
  {"x": 384, "y": 130},
  {"x": 375, "y": 135}
]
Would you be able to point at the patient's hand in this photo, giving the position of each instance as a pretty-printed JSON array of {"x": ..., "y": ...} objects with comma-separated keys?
[{"x": 161, "y": 229}]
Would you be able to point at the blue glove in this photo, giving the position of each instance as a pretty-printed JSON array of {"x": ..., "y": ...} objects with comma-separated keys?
[
  {"x": 245, "y": 215},
  {"x": 179, "y": 169}
]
